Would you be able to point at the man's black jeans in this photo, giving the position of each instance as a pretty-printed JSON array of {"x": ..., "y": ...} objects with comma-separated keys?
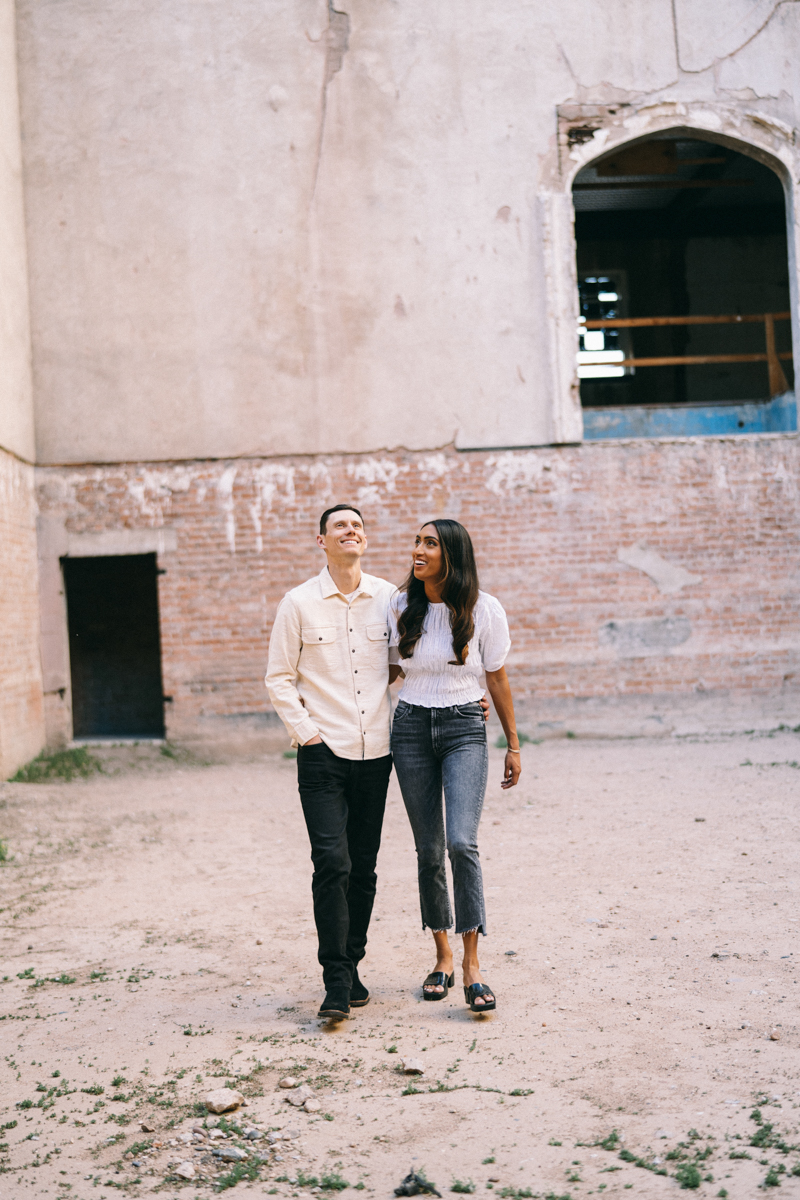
[{"x": 343, "y": 803}]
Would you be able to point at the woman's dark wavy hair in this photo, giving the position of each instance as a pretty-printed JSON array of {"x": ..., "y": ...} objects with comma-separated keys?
[{"x": 460, "y": 593}]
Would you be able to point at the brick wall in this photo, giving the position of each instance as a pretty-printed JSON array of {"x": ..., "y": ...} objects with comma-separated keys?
[
  {"x": 597, "y": 643},
  {"x": 21, "y": 718}
]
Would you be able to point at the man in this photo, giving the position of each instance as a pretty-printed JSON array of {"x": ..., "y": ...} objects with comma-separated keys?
[{"x": 328, "y": 678}]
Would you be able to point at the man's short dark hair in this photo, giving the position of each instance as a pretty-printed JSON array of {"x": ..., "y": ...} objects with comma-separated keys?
[{"x": 323, "y": 521}]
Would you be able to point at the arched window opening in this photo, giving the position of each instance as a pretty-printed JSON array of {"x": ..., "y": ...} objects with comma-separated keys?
[{"x": 684, "y": 292}]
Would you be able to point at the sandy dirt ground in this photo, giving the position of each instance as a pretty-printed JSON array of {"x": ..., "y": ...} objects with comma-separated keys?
[{"x": 158, "y": 942}]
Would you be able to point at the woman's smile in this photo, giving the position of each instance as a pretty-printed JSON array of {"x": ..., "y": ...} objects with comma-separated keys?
[{"x": 427, "y": 556}]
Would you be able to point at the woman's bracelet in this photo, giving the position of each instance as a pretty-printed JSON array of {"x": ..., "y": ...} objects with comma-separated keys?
[{"x": 511, "y": 750}]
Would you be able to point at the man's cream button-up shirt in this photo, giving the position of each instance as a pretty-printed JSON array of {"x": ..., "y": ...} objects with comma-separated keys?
[{"x": 328, "y": 671}]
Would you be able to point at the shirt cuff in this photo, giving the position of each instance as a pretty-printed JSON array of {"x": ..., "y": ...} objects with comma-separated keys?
[{"x": 305, "y": 731}]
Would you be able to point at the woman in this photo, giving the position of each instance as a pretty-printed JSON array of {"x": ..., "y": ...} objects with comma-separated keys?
[{"x": 444, "y": 633}]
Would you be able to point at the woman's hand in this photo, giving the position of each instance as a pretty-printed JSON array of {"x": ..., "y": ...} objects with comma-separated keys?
[
  {"x": 512, "y": 769},
  {"x": 500, "y": 691}
]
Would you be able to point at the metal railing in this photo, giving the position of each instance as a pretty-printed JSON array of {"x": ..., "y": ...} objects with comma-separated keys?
[{"x": 777, "y": 378}]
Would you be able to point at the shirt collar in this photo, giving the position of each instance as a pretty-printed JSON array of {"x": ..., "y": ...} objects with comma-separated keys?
[{"x": 329, "y": 588}]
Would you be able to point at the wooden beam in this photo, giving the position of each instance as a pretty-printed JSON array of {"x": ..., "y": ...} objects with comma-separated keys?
[{"x": 646, "y": 322}]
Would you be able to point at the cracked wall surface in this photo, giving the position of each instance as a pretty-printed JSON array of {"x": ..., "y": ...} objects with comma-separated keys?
[{"x": 303, "y": 228}]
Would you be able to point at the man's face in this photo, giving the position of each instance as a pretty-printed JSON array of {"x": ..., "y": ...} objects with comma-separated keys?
[{"x": 344, "y": 539}]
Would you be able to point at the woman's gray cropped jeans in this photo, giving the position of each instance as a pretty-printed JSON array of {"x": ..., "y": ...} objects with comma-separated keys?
[{"x": 435, "y": 749}]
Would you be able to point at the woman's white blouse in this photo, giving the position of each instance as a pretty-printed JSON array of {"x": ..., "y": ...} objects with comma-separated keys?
[{"x": 430, "y": 681}]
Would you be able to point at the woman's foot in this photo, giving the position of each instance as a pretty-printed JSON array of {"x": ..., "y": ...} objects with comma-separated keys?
[
  {"x": 445, "y": 966},
  {"x": 472, "y": 971},
  {"x": 472, "y": 974}
]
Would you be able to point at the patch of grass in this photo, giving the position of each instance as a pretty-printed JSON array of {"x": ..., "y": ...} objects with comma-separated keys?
[
  {"x": 76, "y": 763},
  {"x": 521, "y": 1092},
  {"x": 3, "y": 852},
  {"x": 411, "y": 1091},
  {"x": 463, "y": 1185},
  {"x": 96, "y": 1089},
  {"x": 290, "y": 754},
  {"x": 490, "y": 1159},
  {"x": 332, "y": 1182},
  {"x": 610, "y": 1141},
  {"x": 240, "y": 1171},
  {"x": 139, "y": 1148},
  {"x": 772, "y": 1178},
  {"x": 629, "y": 1157},
  {"x": 688, "y": 1175}
]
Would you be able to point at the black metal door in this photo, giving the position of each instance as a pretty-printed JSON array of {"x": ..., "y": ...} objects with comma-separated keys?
[{"x": 114, "y": 646}]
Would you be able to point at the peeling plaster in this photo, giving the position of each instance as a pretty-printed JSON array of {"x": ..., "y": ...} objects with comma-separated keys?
[
  {"x": 225, "y": 493},
  {"x": 337, "y": 41},
  {"x": 511, "y": 472},
  {"x": 666, "y": 576},
  {"x": 641, "y": 639}
]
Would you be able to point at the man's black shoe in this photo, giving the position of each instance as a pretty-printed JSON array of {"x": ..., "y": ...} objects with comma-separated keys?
[
  {"x": 335, "y": 1007},
  {"x": 359, "y": 996}
]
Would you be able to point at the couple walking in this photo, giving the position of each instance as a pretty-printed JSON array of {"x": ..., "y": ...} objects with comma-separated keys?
[{"x": 338, "y": 642}]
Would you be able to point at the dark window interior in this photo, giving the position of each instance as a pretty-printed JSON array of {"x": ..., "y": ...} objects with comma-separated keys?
[
  {"x": 677, "y": 248},
  {"x": 114, "y": 646}
]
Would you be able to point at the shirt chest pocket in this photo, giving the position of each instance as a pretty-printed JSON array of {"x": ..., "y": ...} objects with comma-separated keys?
[
  {"x": 378, "y": 641},
  {"x": 320, "y": 644}
]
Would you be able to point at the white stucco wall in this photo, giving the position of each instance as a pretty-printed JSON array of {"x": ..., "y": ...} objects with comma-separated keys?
[
  {"x": 278, "y": 228},
  {"x": 16, "y": 401}
]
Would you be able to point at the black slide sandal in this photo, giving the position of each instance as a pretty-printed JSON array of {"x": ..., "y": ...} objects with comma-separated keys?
[
  {"x": 474, "y": 990},
  {"x": 437, "y": 979}
]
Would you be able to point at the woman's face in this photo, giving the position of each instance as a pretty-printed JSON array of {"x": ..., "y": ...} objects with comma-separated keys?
[{"x": 427, "y": 554}]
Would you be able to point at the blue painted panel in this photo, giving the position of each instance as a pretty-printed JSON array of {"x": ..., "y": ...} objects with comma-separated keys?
[{"x": 687, "y": 420}]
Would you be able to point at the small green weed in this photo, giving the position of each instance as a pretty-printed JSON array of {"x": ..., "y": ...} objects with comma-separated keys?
[
  {"x": 772, "y": 1178},
  {"x": 3, "y": 852},
  {"x": 610, "y": 1142},
  {"x": 688, "y": 1175},
  {"x": 332, "y": 1182},
  {"x": 240, "y": 1171},
  {"x": 76, "y": 763},
  {"x": 139, "y": 1148},
  {"x": 463, "y": 1185},
  {"x": 490, "y": 1159}
]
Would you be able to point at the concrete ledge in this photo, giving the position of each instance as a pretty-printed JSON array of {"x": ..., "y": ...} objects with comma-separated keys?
[
  {"x": 122, "y": 541},
  {"x": 671, "y": 715}
]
